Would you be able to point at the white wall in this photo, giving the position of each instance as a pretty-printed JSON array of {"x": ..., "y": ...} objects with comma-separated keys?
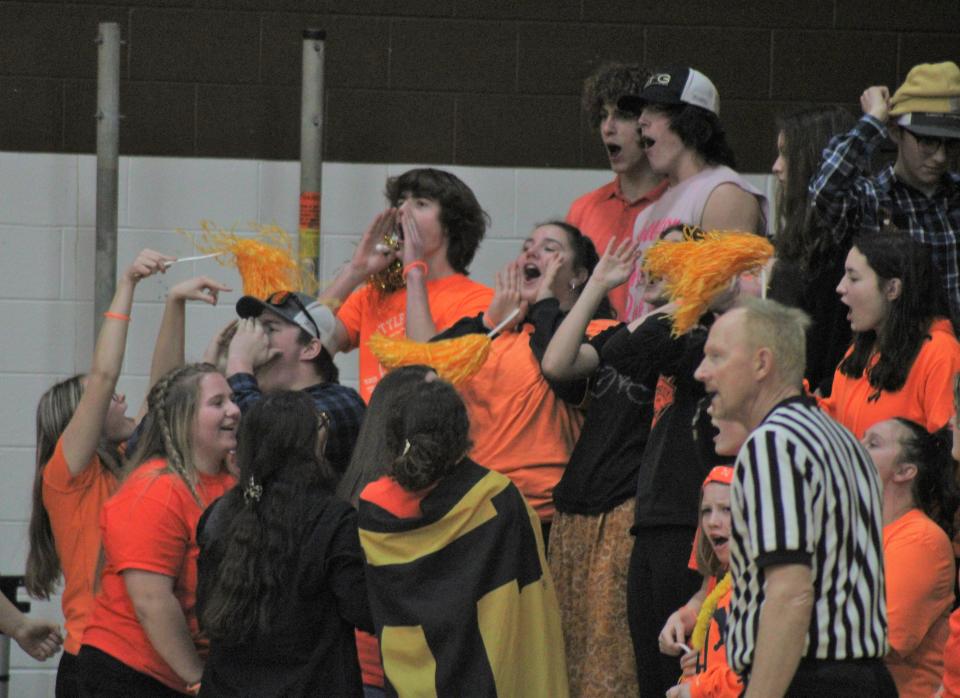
[{"x": 47, "y": 204}]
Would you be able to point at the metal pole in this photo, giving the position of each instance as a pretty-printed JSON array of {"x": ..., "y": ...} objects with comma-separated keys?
[
  {"x": 108, "y": 150},
  {"x": 311, "y": 149}
]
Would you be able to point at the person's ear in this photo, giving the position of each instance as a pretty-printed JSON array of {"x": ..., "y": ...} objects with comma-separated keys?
[
  {"x": 892, "y": 289},
  {"x": 310, "y": 351},
  {"x": 904, "y": 472},
  {"x": 763, "y": 363}
]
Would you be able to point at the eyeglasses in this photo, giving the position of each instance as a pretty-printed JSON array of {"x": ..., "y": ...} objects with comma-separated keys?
[
  {"x": 280, "y": 298},
  {"x": 929, "y": 145}
]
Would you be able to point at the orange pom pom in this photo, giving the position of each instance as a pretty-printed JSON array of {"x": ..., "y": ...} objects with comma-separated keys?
[
  {"x": 697, "y": 271},
  {"x": 266, "y": 263},
  {"x": 455, "y": 360}
]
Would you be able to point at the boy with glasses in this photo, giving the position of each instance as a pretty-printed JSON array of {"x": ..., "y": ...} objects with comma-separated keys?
[{"x": 919, "y": 193}]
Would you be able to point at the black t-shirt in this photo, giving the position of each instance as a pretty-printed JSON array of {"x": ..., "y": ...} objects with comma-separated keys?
[
  {"x": 310, "y": 649},
  {"x": 602, "y": 472},
  {"x": 672, "y": 468}
]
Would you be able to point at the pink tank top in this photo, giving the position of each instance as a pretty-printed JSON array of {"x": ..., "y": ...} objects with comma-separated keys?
[{"x": 682, "y": 204}]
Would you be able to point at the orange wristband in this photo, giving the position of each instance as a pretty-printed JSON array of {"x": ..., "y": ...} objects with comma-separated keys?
[
  {"x": 419, "y": 264},
  {"x": 117, "y": 316}
]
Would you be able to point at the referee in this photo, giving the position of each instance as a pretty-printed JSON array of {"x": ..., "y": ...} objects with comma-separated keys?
[{"x": 807, "y": 615}]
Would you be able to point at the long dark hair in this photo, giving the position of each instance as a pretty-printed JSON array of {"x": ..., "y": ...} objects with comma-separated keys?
[
  {"x": 585, "y": 258},
  {"x": 934, "y": 488},
  {"x": 277, "y": 453},
  {"x": 54, "y": 412},
  {"x": 894, "y": 255},
  {"x": 428, "y": 430},
  {"x": 371, "y": 458},
  {"x": 806, "y": 133}
]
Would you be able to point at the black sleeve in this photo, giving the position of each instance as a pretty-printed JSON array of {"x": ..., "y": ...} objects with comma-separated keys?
[
  {"x": 546, "y": 317},
  {"x": 463, "y": 327},
  {"x": 344, "y": 572},
  {"x": 650, "y": 347}
]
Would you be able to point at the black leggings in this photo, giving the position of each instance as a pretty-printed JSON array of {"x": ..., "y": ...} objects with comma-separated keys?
[
  {"x": 856, "y": 678},
  {"x": 102, "y": 676},
  {"x": 658, "y": 583},
  {"x": 68, "y": 677}
]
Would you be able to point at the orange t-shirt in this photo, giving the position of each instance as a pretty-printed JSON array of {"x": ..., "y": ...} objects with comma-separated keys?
[
  {"x": 73, "y": 505},
  {"x": 951, "y": 659},
  {"x": 519, "y": 427},
  {"x": 367, "y": 312},
  {"x": 926, "y": 397},
  {"x": 918, "y": 563},
  {"x": 603, "y": 214},
  {"x": 150, "y": 525}
]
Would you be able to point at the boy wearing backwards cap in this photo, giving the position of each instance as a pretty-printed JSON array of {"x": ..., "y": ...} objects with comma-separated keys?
[
  {"x": 684, "y": 141},
  {"x": 281, "y": 344},
  {"x": 917, "y": 193}
]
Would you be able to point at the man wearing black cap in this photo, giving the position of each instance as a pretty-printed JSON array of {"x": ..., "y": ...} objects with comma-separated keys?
[
  {"x": 280, "y": 344},
  {"x": 918, "y": 193},
  {"x": 684, "y": 141}
]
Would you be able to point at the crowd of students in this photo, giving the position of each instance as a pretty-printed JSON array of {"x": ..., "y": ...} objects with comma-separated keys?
[{"x": 632, "y": 475}]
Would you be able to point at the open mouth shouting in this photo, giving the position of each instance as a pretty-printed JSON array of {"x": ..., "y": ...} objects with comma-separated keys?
[
  {"x": 719, "y": 542},
  {"x": 531, "y": 272},
  {"x": 646, "y": 142}
]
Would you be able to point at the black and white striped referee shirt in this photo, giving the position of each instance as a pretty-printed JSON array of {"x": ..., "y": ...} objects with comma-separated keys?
[{"x": 805, "y": 491}]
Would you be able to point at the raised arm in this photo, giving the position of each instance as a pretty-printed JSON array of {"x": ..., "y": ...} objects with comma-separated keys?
[
  {"x": 83, "y": 432},
  {"x": 842, "y": 185},
  {"x": 420, "y": 326},
  {"x": 168, "y": 351},
  {"x": 567, "y": 356},
  {"x": 368, "y": 259}
]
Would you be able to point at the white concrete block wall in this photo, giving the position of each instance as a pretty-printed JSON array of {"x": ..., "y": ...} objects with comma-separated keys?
[{"x": 47, "y": 219}]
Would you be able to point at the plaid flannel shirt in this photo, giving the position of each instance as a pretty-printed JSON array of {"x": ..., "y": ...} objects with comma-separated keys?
[
  {"x": 343, "y": 405},
  {"x": 848, "y": 200}
]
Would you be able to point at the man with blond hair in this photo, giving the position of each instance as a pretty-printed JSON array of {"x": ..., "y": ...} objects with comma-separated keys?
[{"x": 807, "y": 614}]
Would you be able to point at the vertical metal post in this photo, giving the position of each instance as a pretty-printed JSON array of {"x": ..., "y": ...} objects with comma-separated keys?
[
  {"x": 108, "y": 152},
  {"x": 311, "y": 149}
]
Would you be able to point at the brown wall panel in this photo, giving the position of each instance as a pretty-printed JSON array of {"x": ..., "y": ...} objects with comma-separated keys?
[
  {"x": 583, "y": 48},
  {"x": 485, "y": 83}
]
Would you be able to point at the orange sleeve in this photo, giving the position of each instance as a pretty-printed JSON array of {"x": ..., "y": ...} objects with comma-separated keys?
[
  {"x": 937, "y": 398},
  {"x": 951, "y": 659},
  {"x": 919, "y": 581},
  {"x": 149, "y": 532},
  {"x": 350, "y": 313},
  {"x": 447, "y": 308},
  {"x": 56, "y": 473},
  {"x": 719, "y": 681}
]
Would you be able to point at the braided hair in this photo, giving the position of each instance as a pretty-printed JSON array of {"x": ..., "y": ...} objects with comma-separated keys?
[
  {"x": 168, "y": 426},
  {"x": 934, "y": 489}
]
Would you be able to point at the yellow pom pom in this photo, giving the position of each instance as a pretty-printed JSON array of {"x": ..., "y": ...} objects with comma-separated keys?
[
  {"x": 454, "y": 360},
  {"x": 697, "y": 271},
  {"x": 266, "y": 263}
]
